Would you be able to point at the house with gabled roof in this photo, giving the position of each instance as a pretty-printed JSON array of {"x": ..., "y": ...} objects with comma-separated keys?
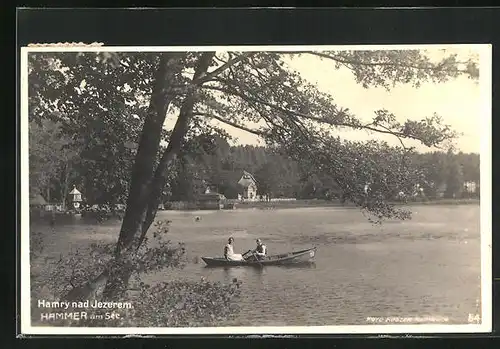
[
  {"x": 249, "y": 184},
  {"x": 37, "y": 200}
]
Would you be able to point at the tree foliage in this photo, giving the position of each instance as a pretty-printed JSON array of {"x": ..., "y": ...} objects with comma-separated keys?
[
  {"x": 98, "y": 109},
  {"x": 282, "y": 176},
  {"x": 160, "y": 304},
  {"x": 52, "y": 160}
]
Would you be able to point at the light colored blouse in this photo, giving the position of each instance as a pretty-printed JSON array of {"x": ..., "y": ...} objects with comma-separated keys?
[{"x": 229, "y": 253}]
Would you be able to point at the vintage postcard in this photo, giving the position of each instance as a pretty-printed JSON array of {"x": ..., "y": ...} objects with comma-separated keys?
[{"x": 256, "y": 189}]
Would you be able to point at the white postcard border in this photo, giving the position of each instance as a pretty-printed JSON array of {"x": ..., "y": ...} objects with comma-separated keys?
[{"x": 486, "y": 225}]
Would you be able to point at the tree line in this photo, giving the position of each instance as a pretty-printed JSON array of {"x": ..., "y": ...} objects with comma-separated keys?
[
  {"x": 444, "y": 174},
  {"x": 210, "y": 161}
]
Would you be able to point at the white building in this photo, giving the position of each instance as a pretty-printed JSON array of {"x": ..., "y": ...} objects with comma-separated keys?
[{"x": 249, "y": 184}]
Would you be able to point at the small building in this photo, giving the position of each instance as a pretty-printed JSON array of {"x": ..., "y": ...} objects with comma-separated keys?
[
  {"x": 37, "y": 201},
  {"x": 249, "y": 184},
  {"x": 441, "y": 190},
  {"x": 37, "y": 205},
  {"x": 76, "y": 198},
  {"x": 211, "y": 201},
  {"x": 471, "y": 187}
]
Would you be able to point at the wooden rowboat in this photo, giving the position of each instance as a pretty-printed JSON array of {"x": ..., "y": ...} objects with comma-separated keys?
[{"x": 298, "y": 257}]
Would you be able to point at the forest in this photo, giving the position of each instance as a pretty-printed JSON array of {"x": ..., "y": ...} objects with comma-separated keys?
[
  {"x": 444, "y": 174},
  {"x": 210, "y": 161}
]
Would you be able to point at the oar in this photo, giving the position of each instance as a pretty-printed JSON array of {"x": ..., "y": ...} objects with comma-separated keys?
[
  {"x": 244, "y": 254},
  {"x": 257, "y": 259}
]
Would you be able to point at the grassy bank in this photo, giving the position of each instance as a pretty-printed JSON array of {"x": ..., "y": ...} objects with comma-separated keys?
[
  {"x": 325, "y": 203},
  {"x": 289, "y": 204},
  {"x": 446, "y": 202}
]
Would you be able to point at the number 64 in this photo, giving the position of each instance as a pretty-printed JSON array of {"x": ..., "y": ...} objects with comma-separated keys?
[{"x": 474, "y": 318}]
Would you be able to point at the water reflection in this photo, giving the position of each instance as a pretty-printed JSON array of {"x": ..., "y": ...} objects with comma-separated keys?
[
  {"x": 258, "y": 268},
  {"x": 65, "y": 220},
  {"x": 229, "y": 273},
  {"x": 303, "y": 265},
  {"x": 234, "y": 273},
  {"x": 242, "y": 272}
]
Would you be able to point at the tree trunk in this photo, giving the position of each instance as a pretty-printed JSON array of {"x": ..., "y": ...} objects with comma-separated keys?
[
  {"x": 64, "y": 187},
  {"x": 118, "y": 278},
  {"x": 146, "y": 185},
  {"x": 142, "y": 171},
  {"x": 174, "y": 145}
]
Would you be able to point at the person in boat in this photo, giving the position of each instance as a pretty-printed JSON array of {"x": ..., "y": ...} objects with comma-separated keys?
[
  {"x": 261, "y": 249},
  {"x": 229, "y": 251}
]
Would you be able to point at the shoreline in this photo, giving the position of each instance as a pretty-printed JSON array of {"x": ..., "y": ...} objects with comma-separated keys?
[
  {"x": 277, "y": 205},
  {"x": 295, "y": 204}
]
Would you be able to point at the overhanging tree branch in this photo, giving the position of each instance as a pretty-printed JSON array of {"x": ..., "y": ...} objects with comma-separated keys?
[
  {"x": 230, "y": 123},
  {"x": 311, "y": 117},
  {"x": 357, "y": 62},
  {"x": 231, "y": 62}
]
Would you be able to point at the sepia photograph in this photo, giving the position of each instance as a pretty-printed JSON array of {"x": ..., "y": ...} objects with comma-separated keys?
[{"x": 256, "y": 189}]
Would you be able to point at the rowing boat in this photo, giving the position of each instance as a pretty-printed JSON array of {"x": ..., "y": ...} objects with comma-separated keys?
[{"x": 303, "y": 256}]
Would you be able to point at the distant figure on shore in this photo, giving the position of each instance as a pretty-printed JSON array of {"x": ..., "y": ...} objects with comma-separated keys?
[
  {"x": 229, "y": 251},
  {"x": 261, "y": 249},
  {"x": 197, "y": 218}
]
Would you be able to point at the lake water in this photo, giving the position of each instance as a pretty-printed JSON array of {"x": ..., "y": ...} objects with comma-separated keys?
[{"x": 429, "y": 266}]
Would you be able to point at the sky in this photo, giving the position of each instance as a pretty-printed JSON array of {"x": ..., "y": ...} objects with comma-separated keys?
[{"x": 458, "y": 101}]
